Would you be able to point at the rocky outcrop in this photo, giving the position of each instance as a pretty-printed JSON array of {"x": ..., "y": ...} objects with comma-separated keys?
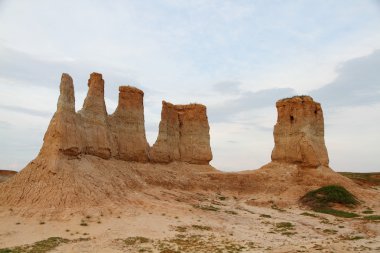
[
  {"x": 127, "y": 126},
  {"x": 183, "y": 135},
  {"x": 166, "y": 147},
  {"x": 299, "y": 133},
  {"x": 184, "y": 130}
]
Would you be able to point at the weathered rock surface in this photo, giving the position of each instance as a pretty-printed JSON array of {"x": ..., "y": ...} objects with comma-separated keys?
[
  {"x": 183, "y": 135},
  {"x": 299, "y": 133},
  {"x": 184, "y": 130},
  {"x": 127, "y": 126},
  {"x": 166, "y": 147}
]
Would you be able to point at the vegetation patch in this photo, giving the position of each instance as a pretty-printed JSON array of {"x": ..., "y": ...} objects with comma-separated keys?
[
  {"x": 135, "y": 240},
  {"x": 309, "y": 214},
  {"x": 372, "y": 217},
  {"x": 207, "y": 207},
  {"x": 337, "y": 213},
  {"x": 327, "y": 195},
  {"x": 37, "y": 247},
  {"x": 200, "y": 227},
  {"x": 363, "y": 178},
  {"x": 265, "y": 216}
]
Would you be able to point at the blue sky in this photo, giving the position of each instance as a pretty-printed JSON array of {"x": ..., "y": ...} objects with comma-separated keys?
[{"x": 236, "y": 57}]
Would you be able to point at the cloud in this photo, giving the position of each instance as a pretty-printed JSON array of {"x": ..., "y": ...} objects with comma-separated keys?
[
  {"x": 357, "y": 83},
  {"x": 246, "y": 101},
  {"x": 32, "y": 112},
  {"x": 227, "y": 87}
]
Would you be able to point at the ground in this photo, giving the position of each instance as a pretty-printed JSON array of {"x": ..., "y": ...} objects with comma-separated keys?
[{"x": 176, "y": 221}]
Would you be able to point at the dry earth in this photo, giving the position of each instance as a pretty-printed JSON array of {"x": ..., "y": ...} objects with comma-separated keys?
[{"x": 178, "y": 221}]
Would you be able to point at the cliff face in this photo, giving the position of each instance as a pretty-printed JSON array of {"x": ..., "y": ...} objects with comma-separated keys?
[
  {"x": 299, "y": 133},
  {"x": 183, "y": 134}
]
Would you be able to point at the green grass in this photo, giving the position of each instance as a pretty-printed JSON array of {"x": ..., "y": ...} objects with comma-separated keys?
[
  {"x": 368, "y": 211},
  {"x": 200, "y": 227},
  {"x": 372, "y": 217},
  {"x": 284, "y": 225},
  {"x": 207, "y": 208},
  {"x": 309, "y": 214},
  {"x": 371, "y": 178},
  {"x": 337, "y": 213},
  {"x": 135, "y": 240},
  {"x": 327, "y": 195},
  {"x": 37, "y": 247}
]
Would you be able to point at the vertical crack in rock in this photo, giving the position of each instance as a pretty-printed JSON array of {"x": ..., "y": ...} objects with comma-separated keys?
[
  {"x": 166, "y": 147},
  {"x": 299, "y": 133},
  {"x": 183, "y": 135},
  {"x": 127, "y": 126},
  {"x": 183, "y": 131}
]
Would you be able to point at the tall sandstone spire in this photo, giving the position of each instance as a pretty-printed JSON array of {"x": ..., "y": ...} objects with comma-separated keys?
[
  {"x": 63, "y": 135},
  {"x": 127, "y": 126},
  {"x": 183, "y": 134},
  {"x": 299, "y": 133}
]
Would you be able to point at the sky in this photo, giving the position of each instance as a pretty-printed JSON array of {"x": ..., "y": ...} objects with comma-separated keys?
[{"x": 236, "y": 57}]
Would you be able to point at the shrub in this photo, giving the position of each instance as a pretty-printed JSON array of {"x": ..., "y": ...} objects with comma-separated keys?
[{"x": 325, "y": 196}]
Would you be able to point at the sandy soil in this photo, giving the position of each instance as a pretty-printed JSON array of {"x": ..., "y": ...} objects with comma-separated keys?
[{"x": 175, "y": 221}]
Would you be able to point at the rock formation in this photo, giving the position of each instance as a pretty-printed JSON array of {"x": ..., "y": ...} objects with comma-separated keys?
[
  {"x": 299, "y": 133},
  {"x": 183, "y": 135},
  {"x": 127, "y": 126},
  {"x": 184, "y": 130}
]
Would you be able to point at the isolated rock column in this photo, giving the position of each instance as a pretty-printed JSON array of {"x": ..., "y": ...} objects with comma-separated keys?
[
  {"x": 299, "y": 133},
  {"x": 128, "y": 127}
]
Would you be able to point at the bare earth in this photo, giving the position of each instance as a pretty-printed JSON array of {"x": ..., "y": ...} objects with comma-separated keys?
[{"x": 177, "y": 221}]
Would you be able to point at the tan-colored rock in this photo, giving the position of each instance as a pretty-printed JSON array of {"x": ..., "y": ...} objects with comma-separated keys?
[
  {"x": 63, "y": 134},
  {"x": 194, "y": 144},
  {"x": 166, "y": 147},
  {"x": 127, "y": 126},
  {"x": 299, "y": 133},
  {"x": 92, "y": 120},
  {"x": 183, "y": 135}
]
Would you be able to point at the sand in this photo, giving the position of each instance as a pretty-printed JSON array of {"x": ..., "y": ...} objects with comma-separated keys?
[{"x": 170, "y": 220}]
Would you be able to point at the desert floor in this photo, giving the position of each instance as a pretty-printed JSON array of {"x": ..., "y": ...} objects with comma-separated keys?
[{"x": 208, "y": 223}]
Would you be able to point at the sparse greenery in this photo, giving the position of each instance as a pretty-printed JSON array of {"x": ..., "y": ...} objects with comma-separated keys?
[
  {"x": 135, "y": 240},
  {"x": 372, "y": 217},
  {"x": 337, "y": 213},
  {"x": 207, "y": 208},
  {"x": 325, "y": 196},
  {"x": 83, "y": 223},
  {"x": 369, "y": 178},
  {"x": 265, "y": 216},
  {"x": 309, "y": 214},
  {"x": 330, "y": 231},
  {"x": 368, "y": 211},
  {"x": 200, "y": 227},
  {"x": 37, "y": 247}
]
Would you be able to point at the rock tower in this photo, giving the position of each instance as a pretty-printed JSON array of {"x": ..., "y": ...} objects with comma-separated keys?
[
  {"x": 183, "y": 134},
  {"x": 299, "y": 133}
]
